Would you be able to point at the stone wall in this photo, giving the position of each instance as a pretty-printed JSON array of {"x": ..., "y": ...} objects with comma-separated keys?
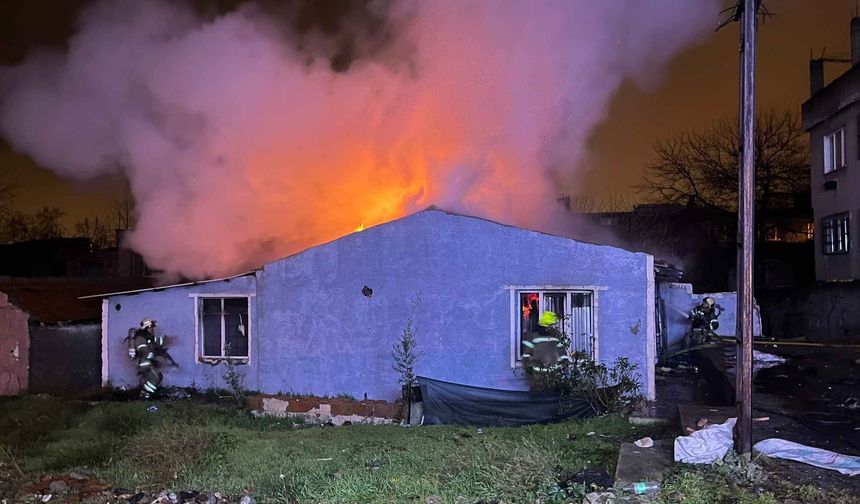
[
  {"x": 14, "y": 348},
  {"x": 823, "y": 312},
  {"x": 323, "y": 410}
]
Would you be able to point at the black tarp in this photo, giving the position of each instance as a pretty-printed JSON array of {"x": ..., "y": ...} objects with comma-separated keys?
[{"x": 454, "y": 403}]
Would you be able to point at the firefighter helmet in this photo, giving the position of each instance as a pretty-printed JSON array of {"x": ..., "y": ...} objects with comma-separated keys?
[
  {"x": 548, "y": 318},
  {"x": 146, "y": 323},
  {"x": 709, "y": 301}
]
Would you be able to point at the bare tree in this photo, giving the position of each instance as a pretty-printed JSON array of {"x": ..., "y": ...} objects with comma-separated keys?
[
  {"x": 589, "y": 202},
  {"x": 701, "y": 168},
  {"x": 97, "y": 232},
  {"x": 16, "y": 227},
  {"x": 46, "y": 223},
  {"x": 123, "y": 212},
  {"x": 8, "y": 190}
]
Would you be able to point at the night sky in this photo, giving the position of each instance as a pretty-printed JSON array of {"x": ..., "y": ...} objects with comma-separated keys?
[{"x": 699, "y": 88}]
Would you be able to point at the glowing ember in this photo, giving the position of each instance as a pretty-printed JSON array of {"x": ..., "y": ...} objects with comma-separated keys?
[{"x": 527, "y": 303}]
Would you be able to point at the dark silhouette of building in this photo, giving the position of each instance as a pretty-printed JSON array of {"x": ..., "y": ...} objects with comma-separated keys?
[{"x": 702, "y": 241}]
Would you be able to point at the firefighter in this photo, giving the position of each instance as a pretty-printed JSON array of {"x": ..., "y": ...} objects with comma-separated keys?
[
  {"x": 148, "y": 351},
  {"x": 546, "y": 348},
  {"x": 703, "y": 320}
]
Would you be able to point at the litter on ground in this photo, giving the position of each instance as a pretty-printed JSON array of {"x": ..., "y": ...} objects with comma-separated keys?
[
  {"x": 706, "y": 445},
  {"x": 789, "y": 450}
]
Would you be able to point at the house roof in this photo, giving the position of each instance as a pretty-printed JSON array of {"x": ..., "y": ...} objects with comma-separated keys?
[
  {"x": 431, "y": 208},
  {"x": 59, "y": 299},
  {"x": 162, "y": 287}
]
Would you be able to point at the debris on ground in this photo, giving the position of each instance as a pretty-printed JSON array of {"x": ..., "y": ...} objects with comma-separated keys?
[
  {"x": 76, "y": 487},
  {"x": 58, "y": 487},
  {"x": 707, "y": 445},
  {"x": 591, "y": 479},
  {"x": 68, "y": 484},
  {"x": 599, "y": 498},
  {"x": 642, "y": 487},
  {"x": 176, "y": 394},
  {"x": 818, "y": 457},
  {"x": 645, "y": 442}
]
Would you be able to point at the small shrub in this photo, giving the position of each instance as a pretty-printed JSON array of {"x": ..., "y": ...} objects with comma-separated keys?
[
  {"x": 608, "y": 389},
  {"x": 405, "y": 351},
  {"x": 235, "y": 380}
]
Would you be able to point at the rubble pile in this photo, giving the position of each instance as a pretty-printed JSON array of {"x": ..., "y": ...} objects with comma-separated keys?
[{"x": 76, "y": 488}]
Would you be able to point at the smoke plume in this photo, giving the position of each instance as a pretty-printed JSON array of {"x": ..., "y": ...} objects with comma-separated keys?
[{"x": 242, "y": 144}]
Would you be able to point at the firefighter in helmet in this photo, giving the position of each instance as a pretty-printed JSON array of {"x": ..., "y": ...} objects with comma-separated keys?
[
  {"x": 546, "y": 348},
  {"x": 149, "y": 353},
  {"x": 703, "y": 321}
]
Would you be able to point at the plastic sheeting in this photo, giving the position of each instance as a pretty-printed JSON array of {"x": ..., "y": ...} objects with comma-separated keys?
[
  {"x": 454, "y": 403},
  {"x": 789, "y": 450},
  {"x": 707, "y": 445}
]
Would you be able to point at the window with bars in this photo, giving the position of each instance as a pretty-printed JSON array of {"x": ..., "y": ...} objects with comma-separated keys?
[
  {"x": 224, "y": 327},
  {"x": 834, "y": 150},
  {"x": 575, "y": 311},
  {"x": 834, "y": 234}
]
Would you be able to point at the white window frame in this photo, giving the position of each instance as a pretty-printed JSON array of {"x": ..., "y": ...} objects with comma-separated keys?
[
  {"x": 830, "y": 154},
  {"x": 198, "y": 329},
  {"x": 841, "y": 242},
  {"x": 516, "y": 290}
]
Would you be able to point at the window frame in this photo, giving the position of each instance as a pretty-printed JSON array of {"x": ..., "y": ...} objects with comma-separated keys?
[
  {"x": 830, "y": 247},
  {"x": 857, "y": 136},
  {"x": 829, "y": 151},
  {"x": 197, "y": 304},
  {"x": 516, "y": 290}
]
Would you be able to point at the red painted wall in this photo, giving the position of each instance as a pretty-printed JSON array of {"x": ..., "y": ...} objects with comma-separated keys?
[{"x": 14, "y": 348}]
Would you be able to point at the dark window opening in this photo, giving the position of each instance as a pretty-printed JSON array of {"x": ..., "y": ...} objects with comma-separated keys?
[{"x": 224, "y": 325}]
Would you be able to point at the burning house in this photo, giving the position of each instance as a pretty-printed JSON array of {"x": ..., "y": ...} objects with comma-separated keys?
[{"x": 323, "y": 321}]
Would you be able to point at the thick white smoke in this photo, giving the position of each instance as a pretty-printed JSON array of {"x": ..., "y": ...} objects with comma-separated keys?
[{"x": 239, "y": 148}]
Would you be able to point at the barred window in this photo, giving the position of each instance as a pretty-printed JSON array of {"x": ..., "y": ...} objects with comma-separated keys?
[
  {"x": 575, "y": 311},
  {"x": 834, "y": 234}
]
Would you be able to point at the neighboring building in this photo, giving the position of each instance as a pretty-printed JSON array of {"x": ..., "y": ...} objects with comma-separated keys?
[
  {"x": 50, "y": 340},
  {"x": 702, "y": 241},
  {"x": 72, "y": 257},
  {"x": 14, "y": 348},
  {"x": 42, "y": 258},
  {"x": 832, "y": 118},
  {"x": 323, "y": 321}
]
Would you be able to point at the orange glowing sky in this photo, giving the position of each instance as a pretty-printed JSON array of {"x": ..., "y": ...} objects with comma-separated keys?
[{"x": 429, "y": 155}]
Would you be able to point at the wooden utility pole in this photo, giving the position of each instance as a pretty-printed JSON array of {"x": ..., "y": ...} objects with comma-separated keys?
[{"x": 746, "y": 220}]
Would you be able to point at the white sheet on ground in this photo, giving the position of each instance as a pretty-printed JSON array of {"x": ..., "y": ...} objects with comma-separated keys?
[
  {"x": 707, "y": 445},
  {"x": 780, "y": 448},
  {"x": 767, "y": 357}
]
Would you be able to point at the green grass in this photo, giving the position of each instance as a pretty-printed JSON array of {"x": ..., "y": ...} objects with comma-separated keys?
[
  {"x": 739, "y": 481},
  {"x": 193, "y": 445}
]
